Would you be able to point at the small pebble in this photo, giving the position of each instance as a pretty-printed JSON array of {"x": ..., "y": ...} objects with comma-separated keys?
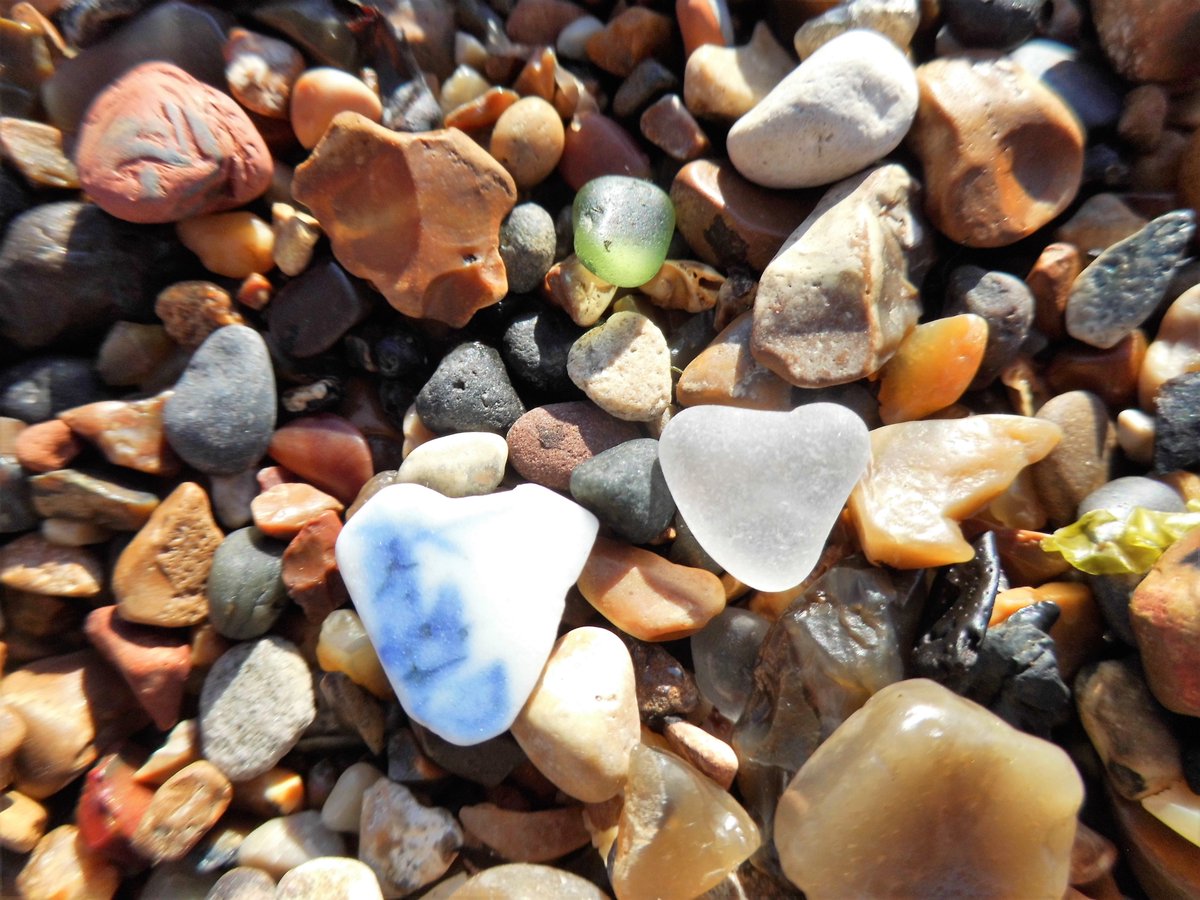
[
  {"x": 22, "y": 822},
  {"x": 62, "y": 865},
  {"x": 1050, "y": 281},
  {"x": 1083, "y": 460},
  {"x": 530, "y": 837},
  {"x": 344, "y": 647},
  {"x": 309, "y": 570},
  {"x": 326, "y": 450},
  {"x": 626, "y": 490},
  {"x": 724, "y": 653},
  {"x": 407, "y": 845},
  {"x": 458, "y": 465},
  {"x": 1101, "y": 221},
  {"x": 182, "y": 811},
  {"x": 665, "y": 689},
  {"x": 668, "y": 125},
  {"x": 192, "y": 310},
  {"x": 35, "y": 150},
  {"x": 622, "y": 228},
  {"x": 261, "y": 71},
  {"x": 628, "y": 38},
  {"x": 283, "y": 510},
  {"x": 648, "y": 80},
  {"x": 1175, "y": 349},
  {"x": 46, "y": 446},
  {"x": 710, "y": 755},
  {"x": 42, "y": 387},
  {"x": 535, "y": 348},
  {"x": 310, "y": 314},
  {"x": 320, "y": 94},
  {"x": 243, "y": 883},
  {"x": 1177, "y": 424},
  {"x": 296, "y": 235},
  {"x": 548, "y": 442},
  {"x": 154, "y": 663},
  {"x": 342, "y": 810},
  {"x": 528, "y": 141},
  {"x": 245, "y": 592},
  {"x": 725, "y": 83},
  {"x": 978, "y": 23},
  {"x": 470, "y": 391},
  {"x": 279, "y": 845},
  {"x": 1135, "y": 435},
  {"x": 933, "y": 367},
  {"x": 573, "y": 287},
  {"x": 128, "y": 433},
  {"x": 527, "y": 246},
  {"x": 132, "y": 353},
  {"x": 71, "y": 494},
  {"x": 594, "y": 146},
  {"x": 1005, "y": 303},
  {"x": 624, "y": 367},
  {"x": 897, "y": 20},
  {"x": 329, "y": 878},
  {"x": 31, "y": 564}
]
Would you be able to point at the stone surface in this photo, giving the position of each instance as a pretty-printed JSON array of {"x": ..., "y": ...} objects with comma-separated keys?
[
  {"x": 458, "y": 465},
  {"x": 192, "y": 310},
  {"x": 547, "y": 443},
  {"x": 256, "y": 702},
  {"x": 624, "y": 367},
  {"x": 342, "y": 810},
  {"x": 904, "y": 762},
  {"x": 261, "y": 71},
  {"x": 515, "y": 880},
  {"x": 1149, "y": 41},
  {"x": 897, "y": 20},
  {"x": 128, "y": 433},
  {"x": 535, "y": 349},
  {"x": 343, "y": 646},
  {"x": 154, "y": 663},
  {"x": 245, "y": 592},
  {"x": 1083, "y": 460},
  {"x": 622, "y": 228},
  {"x": 243, "y": 883},
  {"x": 46, "y": 446},
  {"x": 629, "y": 37},
  {"x": 1175, "y": 349},
  {"x": 570, "y": 284},
  {"x": 320, "y": 94},
  {"x": 978, "y": 23},
  {"x": 766, "y": 523},
  {"x": 1090, "y": 90},
  {"x": 1164, "y": 612},
  {"x": 470, "y": 391},
  {"x": 527, "y": 246},
  {"x": 182, "y": 811},
  {"x": 1177, "y": 424},
  {"x": 426, "y": 572},
  {"x": 845, "y": 107},
  {"x": 30, "y": 563},
  {"x": 1001, "y": 300},
  {"x": 626, "y": 490},
  {"x": 281, "y": 511},
  {"x": 281, "y": 844},
  {"x": 595, "y": 145},
  {"x": 725, "y": 83},
  {"x": 1111, "y": 374},
  {"x": 835, "y": 302},
  {"x": 326, "y": 450},
  {"x": 310, "y": 314},
  {"x": 62, "y": 865},
  {"x": 406, "y": 844},
  {"x": 309, "y": 569},
  {"x": 35, "y": 150},
  {"x": 79, "y": 496},
  {"x": 157, "y": 146},
  {"x": 329, "y": 877},
  {"x": 529, "y": 837},
  {"x": 452, "y": 265},
  {"x": 975, "y": 113},
  {"x": 1050, "y": 281},
  {"x": 933, "y": 366},
  {"x": 581, "y": 722},
  {"x": 528, "y": 140},
  {"x": 725, "y": 373},
  {"x": 926, "y": 477}
]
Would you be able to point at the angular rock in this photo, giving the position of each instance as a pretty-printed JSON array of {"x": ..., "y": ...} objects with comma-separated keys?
[
  {"x": 192, "y": 310},
  {"x": 128, "y": 433},
  {"x": 469, "y": 391},
  {"x": 31, "y": 563},
  {"x": 630, "y": 36},
  {"x": 406, "y": 844},
  {"x": 626, "y": 490},
  {"x": 1050, "y": 280},
  {"x": 624, "y": 366},
  {"x": 933, "y": 366},
  {"x": 547, "y": 443},
  {"x": 283, "y": 510},
  {"x": 154, "y": 663},
  {"x": 309, "y": 570},
  {"x": 72, "y": 494},
  {"x": 1165, "y": 614}
]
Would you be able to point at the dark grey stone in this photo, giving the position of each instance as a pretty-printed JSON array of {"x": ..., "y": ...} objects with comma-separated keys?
[
  {"x": 1004, "y": 302},
  {"x": 246, "y": 594},
  {"x": 535, "y": 348},
  {"x": 1177, "y": 424},
  {"x": 15, "y": 197},
  {"x": 527, "y": 247},
  {"x": 991, "y": 23},
  {"x": 1127, "y": 282},
  {"x": 487, "y": 763},
  {"x": 16, "y": 508},
  {"x": 41, "y": 388},
  {"x": 626, "y": 490},
  {"x": 222, "y": 414},
  {"x": 1092, "y": 92},
  {"x": 470, "y": 391},
  {"x": 400, "y": 354},
  {"x": 311, "y": 312},
  {"x": 84, "y": 22}
]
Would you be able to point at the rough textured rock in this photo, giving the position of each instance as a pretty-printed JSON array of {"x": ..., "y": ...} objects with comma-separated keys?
[
  {"x": 470, "y": 391},
  {"x": 624, "y": 366},
  {"x": 408, "y": 845},
  {"x": 548, "y": 442},
  {"x": 1001, "y": 300},
  {"x": 1177, "y": 424}
]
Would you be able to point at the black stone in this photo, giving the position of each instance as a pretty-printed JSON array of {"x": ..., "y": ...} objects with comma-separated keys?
[
  {"x": 1004, "y": 302},
  {"x": 41, "y": 388},
  {"x": 692, "y": 336},
  {"x": 1177, "y": 424},
  {"x": 992, "y": 23},
  {"x": 246, "y": 594},
  {"x": 16, "y": 507},
  {"x": 535, "y": 347},
  {"x": 396, "y": 397},
  {"x": 470, "y": 391},
  {"x": 311, "y": 312},
  {"x": 319, "y": 27},
  {"x": 400, "y": 354},
  {"x": 626, "y": 490},
  {"x": 15, "y": 197},
  {"x": 527, "y": 247},
  {"x": 83, "y": 22}
]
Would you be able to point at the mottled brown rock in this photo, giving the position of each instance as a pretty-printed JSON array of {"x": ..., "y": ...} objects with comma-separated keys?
[
  {"x": 35, "y": 150},
  {"x": 548, "y": 442},
  {"x": 1165, "y": 612},
  {"x": 1150, "y": 40},
  {"x": 629, "y": 37},
  {"x": 46, "y": 446},
  {"x": 158, "y": 146},
  {"x": 708, "y": 754},
  {"x": 665, "y": 689},
  {"x": 72, "y": 494},
  {"x": 1143, "y": 116},
  {"x": 192, "y": 310},
  {"x": 128, "y": 433},
  {"x": 726, "y": 373},
  {"x": 1083, "y": 459},
  {"x": 283, "y": 510},
  {"x": 31, "y": 563},
  {"x": 182, "y": 811},
  {"x": 261, "y": 71},
  {"x": 1110, "y": 374},
  {"x": 1002, "y": 154},
  {"x": 430, "y": 242},
  {"x": 326, "y": 450},
  {"x": 161, "y": 577},
  {"x": 529, "y": 837},
  {"x": 595, "y": 145},
  {"x": 1050, "y": 282},
  {"x": 310, "y": 570}
]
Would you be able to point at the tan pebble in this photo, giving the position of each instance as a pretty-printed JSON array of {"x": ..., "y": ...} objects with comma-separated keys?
[
  {"x": 537, "y": 78},
  {"x": 182, "y": 811},
  {"x": 531, "y": 837},
  {"x": 725, "y": 83},
  {"x": 1175, "y": 350},
  {"x": 684, "y": 284},
  {"x": 415, "y": 431},
  {"x": 342, "y": 810},
  {"x": 46, "y": 446},
  {"x": 31, "y": 563},
  {"x": 284, "y": 509},
  {"x": 629, "y": 37},
  {"x": 35, "y": 150},
  {"x": 180, "y": 749},
  {"x": 281, "y": 844},
  {"x": 1143, "y": 116},
  {"x": 22, "y": 822},
  {"x": 624, "y": 366},
  {"x": 1149, "y": 40},
  {"x": 648, "y": 596},
  {"x": 344, "y": 647},
  {"x": 10, "y": 428},
  {"x": 243, "y": 883},
  {"x": 1050, "y": 282},
  {"x": 255, "y": 291},
  {"x": 710, "y": 755},
  {"x": 1135, "y": 434},
  {"x": 1166, "y": 624},
  {"x": 278, "y": 792},
  {"x": 1101, "y": 221},
  {"x": 1083, "y": 459},
  {"x": 192, "y": 310},
  {"x": 233, "y": 244},
  {"x": 296, "y": 234},
  {"x": 1111, "y": 374},
  {"x": 261, "y": 71},
  {"x": 516, "y": 881},
  {"x": 464, "y": 85},
  {"x": 528, "y": 140},
  {"x": 63, "y": 866},
  {"x": 128, "y": 433},
  {"x": 355, "y": 708},
  {"x": 458, "y": 465},
  {"x": 571, "y": 286},
  {"x": 726, "y": 373},
  {"x": 483, "y": 112},
  {"x": 38, "y": 615},
  {"x": 320, "y": 94},
  {"x": 161, "y": 577},
  {"x": 407, "y": 844},
  {"x": 329, "y": 878}
]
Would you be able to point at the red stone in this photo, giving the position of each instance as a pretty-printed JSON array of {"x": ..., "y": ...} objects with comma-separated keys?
[
  {"x": 47, "y": 446},
  {"x": 310, "y": 570},
  {"x": 1165, "y": 614},
  {"x": 110, "y": 806},
  {"x": 630, "y": 36},
  {"x": 595, "y": 145},
  {"x": 327, "y": 451},
  {"x": 547, "y": 443}
]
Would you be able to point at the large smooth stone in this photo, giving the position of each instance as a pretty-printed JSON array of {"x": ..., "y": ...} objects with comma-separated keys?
[
  {"x": 761, "y": 490},
  {"x": 924, "y": 794},
  {"x": 1165, "y": 612},
  {"x": 844, "y": 108},
  {"x": 462, "y": 615}
]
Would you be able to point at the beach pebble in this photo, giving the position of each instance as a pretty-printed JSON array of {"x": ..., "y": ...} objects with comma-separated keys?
[
  {"x": 35, "y": 150},
  {"x": 535, "y": 349},
  {"x": 527, "y": 246},
  {"x": 1083, "y": 460},
  {"x": 407, "y": 845},
  {"x": 540, "y": 21},
  {"x": 624, "y": 367},
  {"x": 725, "y": 83},
  {"x": 528, "y": 141},
  {"x": 40, "y": 388},
  {"x": 1005, "y": 303},
  {"x": 897, "y": 20},
  {"x": 934, "y": 365},
  {"x": 22, "y": 822},
  {"x": 517, "y": 880},
  {"x": 980, "y": 23},
  {"x": 30, "y": 563},
  {"x": 281, "y": 511},
  {"x": 1090, "y": 91},
  {"x": 842, "y": 109},
  {"x": 725, "y": 373},
  {"x": 62, "y": 865},
  {"x": 548, "y": 442},
  {"x": 343, "y": 646},
  {"x": 458, "y": 465},
  {"x": 326, "y": 450},
  {"x": 329, "y": 878},
  {"x": 154, "y": 662},
  {"x": 342, "y": 810},
  {"x": 1165, "y": 625},
  {"x": 78, "y": 496},
  {"x": 243, "y": 883},
  {"x": 1138, "y": 38},
  {"x": 470, "y": 391},
  {"x": 182, "y": 811},
  {"x": 309, "y": 569},
  {"x": 1177, "y": 424},
  {"x": 647, "y": 81},
  {"x": 668, "y": 125},
  {"x": 530, "y": 837},
  {"x": 724, "y": 654},
  {"x": 296, "y": 237},
  {"x": 128, "y": 432},
  {"x": 629, "y": 37},
  {"x": 46, "y": 446},
  {"x": 245, "y": 593},
  {"x": 232, "y": 244},
  {"x": 626, "y": 490},
  {"x": 595, "y": 145},
  {"x": 1050, "y": 281},
  {"x": 310, "y": 314},
  {"x": 1175, "y": 349},
  {"x": 281, "y": 844},
  {"x": 573, "y": 287},
  {"x": 707, "y": 754},
  {"x": 320, "y": 94},
  {"x": 261, "y": 71}
]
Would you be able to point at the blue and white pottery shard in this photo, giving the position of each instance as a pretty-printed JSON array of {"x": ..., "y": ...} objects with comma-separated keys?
[{"x": 462, "y": 597}]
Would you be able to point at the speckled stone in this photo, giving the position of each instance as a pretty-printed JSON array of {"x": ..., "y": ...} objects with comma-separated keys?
[
  {"x": 624, "y": 366},
  {"x": 527, "y": 246},
  {"x": 406, "y": 844},
  {"x": 245, "y": 592},
  {"x": 1082, "y": 462},
  {"x": 626, "y": 490},
  {"x": 470, "y": 391},
  {"x": 548, "y": 442},
  {"x": 40, "y": 388},
  {"x": 1177, "y": 424},
  {"x": 458, "y": 465}
]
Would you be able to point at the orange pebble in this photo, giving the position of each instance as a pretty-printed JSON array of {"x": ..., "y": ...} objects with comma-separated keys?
[
  {"x": 47, "y": 446},
  {"x": 1079, "y": 628},
  {"x": 932, "y": 368},
  {"x": 283, "y": 510}
]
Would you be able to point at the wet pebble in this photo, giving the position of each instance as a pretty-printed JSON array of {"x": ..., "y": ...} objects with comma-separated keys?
[
  {"x": 282, "y": 510},
  {"x": 724, "y": 652},
  {"x": 326, "y": 450}
]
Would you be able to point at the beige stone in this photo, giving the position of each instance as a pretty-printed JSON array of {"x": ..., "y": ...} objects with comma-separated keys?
[
  {"x": 571, "y": 285},
  {"x": 22, "y": 821},
  {"x": 684, "y": 284},
  {"x": 342, "y": 810},
  {"x": 1175, "y": 349},
  {"x": 182, "y": 811},
  {"x": 320, "y": 94},
  {"x": 62, "y": 866},
  {"x": 128, "y": 433},
  {"x": 520, "y": 881},
  {"x": 528, "y": 141},
  {"x": 624, "y": 366},
  {"x": 234, "y": 244},
  {"x": 329, "y": 877},
  {"x": 726, "y": 82},
  {"x": 707, "y": 753},
  {"x": 31, "y": 563}
]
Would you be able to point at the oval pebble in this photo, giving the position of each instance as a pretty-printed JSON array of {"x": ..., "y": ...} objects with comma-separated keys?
[
  {"x": 458, "y": 465},
  {"x": 329, "y": 878},
  {"x": 245, "y": 592}
]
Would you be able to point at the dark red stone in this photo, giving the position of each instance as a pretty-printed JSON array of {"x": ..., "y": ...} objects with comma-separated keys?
[{"x": 326, "y": 451}]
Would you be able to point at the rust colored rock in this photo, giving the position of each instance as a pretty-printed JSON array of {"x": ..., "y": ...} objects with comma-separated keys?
[
  {"x": 128, "y": 433},
  {"x": 418, "y": 215},
  {"x": 110, "y": 806},
  {"x": 159, "y": 146},
  {"x": 283, "y": 510},
  {"x": 47, "y": 446},
  {"x": 596, "y": 145},
  {"x": 1165, "y": 863},
  {"x": 630, "y": 36},
  {"x": 668, "y": 125},
  {"x": 182, "y": 811},
  {"x": 1110, "y": 374},
  {"x": 310, "y": 570},
  {"x": 1165, "y": 612},
  {"x": 161, "y": 577},
  {"x": 547, "y": 443},
  {"x": 1002, "y": 154},
  {"x": 1050, "y": 282},
  {"x": 33, "y": 564},
  {"x": 154, "y": 662},
  {"x": 1150, "y": 40},
  {"x": 326, "y": 450},
  {"x": 538, "y": 22}
]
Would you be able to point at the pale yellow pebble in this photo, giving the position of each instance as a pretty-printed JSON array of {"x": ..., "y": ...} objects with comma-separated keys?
[
  {"x": 181, "y": 748},
  {"x": 73, "y": 532},
  {"x": 415, "y": 432},
  {"x": 343, "y": 646},
  {"x": 233, "y": 244},
  {"x": 320, "y": 94},
  {"x": 725, "y": 83},
  {"x": 63, "y": 868},
  {"x": 1175, "y": 349},
  {"x": 22, "y": 821}
]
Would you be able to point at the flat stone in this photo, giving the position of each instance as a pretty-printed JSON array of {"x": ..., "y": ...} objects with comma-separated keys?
[
  {"x": 30, "y": 563},
  {"x": 282, "y": 511},
  {"x": 708, "y": 754},
  {"x": 470, "y": 391},
  {"x": 1001, "y": 300},
  {"x": 80, "y": 496},
  {"x": 624, "y": 367},
  {"x": 548, "y": 442},
  {"x": 452, "y": 265},
  {"x": 284, "y": 843},
  {"x": 458, "y": 465},
  {"x": 1164, "y": 617},
  {"x": 326, "y": 450},
  {"x": 725, "y": 83},
  {"x": 725, "y": 373},
  {"x": 426, "y": 572},
  {"x": 35, "y": 150},
  {"x": 530, "y": 837},
  {"x": 595, "y": 145},
  {"x": 406, "y": 844},
  {"x": 626, "y": 490},
  {"x": 329, "y": 877},
  {"x": 1083, "y": 460},
  {"x": 154, "y": 662},
  {"x": 182, "y": 811},
  {"x": 245, "y": 592},
  {"x": 128, "y": 433}
]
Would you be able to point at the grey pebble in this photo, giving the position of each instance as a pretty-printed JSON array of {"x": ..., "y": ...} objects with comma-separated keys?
[
  {"x": 535, "y": 348},
  {"x": 470, "y": 391},
  {"x": 1004, "y": 302},
  {"x": 626, "y": 490},
  {"x": 39, "y": 389},
  {"x": 312, "y": 312},
  {"x": 246, "y": 594},
  {"x": 991, "y": 23},
  {"x": 527, "y": 247},
  {"x": 1082, "y": 460},
  {"x": 648, "y": 80},
  {"x": 1122, "y": 494},
  {"x": 1177, "y": 424},
  {"x": 16, "y": 508},
  {"x": 1093, "y": 93}
]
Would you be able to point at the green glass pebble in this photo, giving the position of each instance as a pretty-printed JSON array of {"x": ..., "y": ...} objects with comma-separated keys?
[{"x": 622, "y": 228}]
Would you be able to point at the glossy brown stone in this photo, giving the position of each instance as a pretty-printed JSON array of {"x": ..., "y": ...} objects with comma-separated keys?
[
  {"x": 1110, "y": 374},
  {"x": 283, "y": 510},
  {"x": 530, "y": 837},
  {"x": 326, "y": 450},
  {"x": 128, "y": 433},
  {"x": 414, "y": 241},
  {"x": 595, "y": 145},
  {"x": 1083, "y": 459},
  {"x": 629, "y": 37},
  {"x": 548, "y": 442},
  {"x": 35, "y": 150},
  {"x": 668, "y": 125},
  {"x": 310, "y": 569},
  {"x": 726, "y": 373},
  {"x": 1149, "y": 40},
  {"x": 110, "y": 806}
]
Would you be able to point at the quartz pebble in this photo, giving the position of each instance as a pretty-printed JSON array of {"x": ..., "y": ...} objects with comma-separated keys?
[
  {"x": 725, "y": 373},
  {"x": 572, "y": 286},
  {"x": 330, "y": 878},
  {"x": 624, "y": 367},
  {"x": 630, "y": 36},
  {"x": 281, "y": 844},
  {"x": 724, "y": 654},
  {"x": 932, "y": 368},
  {"x": 407, "y": 845},
  {"x": 458, "y": 465},
  {"x": 344, "y": 647},
  {"x": 232, "y": 244},
  {"x": 622, "y": 228},
  {"x": 282, "y": 511},
  {"x": 243, "y": 883},
  {"x": 457, "y": 568},
  {"x": 528, "y": 141},
  {"x": 725, "y": 83},
  {"x": 62, "y": 865},
  {"x": 548, "y": 442}
]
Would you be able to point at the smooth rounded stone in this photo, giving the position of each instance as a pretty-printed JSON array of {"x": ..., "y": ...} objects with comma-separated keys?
[
  {"x": 724, "y": 653},
  {"x": 342, "y": 810},
  {"x": 1121, "y": 495},
  {"x": 844, "y": 108},
  {"x": 624, "y": 367},
  {"x": 766, "y": 518},
  {"x": 256, "y": 702},
  {"x": 1135, "y": 436},
  {"x": 343, "y": 646},
  {"x": 1083, "y": 459},
  {"x": 30, "y": 563},
  {"x": 571, "y": 42},
  {"x": 407, "y": 845},
  {"x": 594, "y": 146},
  {"x": 1175, "y": 349},
  {"x": 72, "y": 494},
  {"x": 426, "y": 573},
  {"x": 581, "y": 721},
  {"x": 327, "y": 450},
  {"x": 310, "y": 314},
  {"x": 329, "y": 878},
  {"x": 182, "y": 149},
  {"x": 283, "y": 510},
  {"x": 992, "y": 23},
  {"x": 668, "y": 125},
  {"x": 261, "y": 71},
  {"x": 133, "y": 354},
  {"x": 1090, "y": 91},
  {"x": 679, "y": 833},
  {"x": 646, "y": 595},
  {"x": 243, "y": 883},
  {"x": 470, "y": 391},
  {"x": 231, "y": 244},
  {"x": 181, "y": 812},
  {"x": 896, "y": 20},
  {"x": 1100, "y": 221},
  {"x": 933, "y": 367},
  {"x": 128, "y": 433},
  {"x": 527, "y": 244},
  {"x": 154, "y": 663},
  {"x": 1004, "y": 302},
  {"x": 626, "y": 490},
  {"x": 230, "y": 372},
  {"x": 529, "y": 837},
  {"x": 535, "y": 349},
  {"x": 451, "y": 266},
  {"x": 540, "y": 21},
  {"x": 1127, "y": 282},
  {"x": 1165, "y": 624},
  {"x": 39, "y": 389},
  {"x": 62, "y": 865},
  {"x": 548, "y": 442},
  {"x": 726, "y": 374},
  {"x": 245, "y": 592},
  {"x": 838, "y": 298},
  {"x": 516, "y": 881},
  {"x": 725, "y": 83},
  {"x": 1111, "y": 374},
  {"x": 320, "y": 94},
  {"x": 1149, "y": 41},
  {"x": 528, "y": 140},
  {"x": 926, "y": 477},
  {"x": 22, "y": 822},
  {"x": 622, "y": 228},
  {"x": 974, "y": 113},
  {"x": 458, "y": 465},
  {"x": 464, "y": 85},
  {"x": 46, "y": 446},
  {"x": 279, "y": 845},
  {"x": 878, "y": 808}
]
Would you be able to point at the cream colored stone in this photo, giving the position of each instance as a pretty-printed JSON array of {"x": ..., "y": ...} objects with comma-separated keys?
[
  {"x": 296, "y": 234},
  {"x": 342, "y": 810},
  {"x": 624, "y": 366},
  {"x": 320, "y": 94},
  {"x": 726, "y": 82},
  {"x": 896, "y": 20},
  {"x": 572, "y": 286},
  {"x": 63, "y": 868},
  {"x": 708, "y": 754},
  {"x": 464, "y": 85},
  {"x": 181, "y": 747},
  {"x": 458, "y": 465},
  {"x": 22, "y": 821},
  {"x": 329, "y": 878},
  {"x": 343, "y": 646},
  {"x": 529, "y": 837},
  {"x": 280, "y": 845}
]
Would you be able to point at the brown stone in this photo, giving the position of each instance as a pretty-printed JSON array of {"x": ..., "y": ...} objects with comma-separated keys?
[
  {"x": 1166, "y": 864},
  {"x": 726, "y": 373},
  {"x": 321, "y": 94},
  {"x": 629, "y": 37},
  {"x": 1143, "y": 116},
  {"x": 72, "y": 494},
  {"x": 1165, "y": 612},
  {"x": 668, "y": 125},
  {"x": 485, "y": 111},
  {"x": 664, "y": 688},
  {"x": 357, "y": 709},
  {"x": 529, "y": 837},
  {"x": 933, "y": 367},
  {"x": 430, "y": 242},
  {"x": 1083, "y": 459},
  {"x": 326, "y": 450},
  {"x": 31, "y": 563},
  {"x": 41, "y": 616},
  {"x": 539, "y": 21},
  {"x": 182, "y": 811},
  {"x": 35, "y": 150},
  {"x": 161, "y": 577},
  {"x": 1101, "y": 221},
  {"x": 283, "y": 510},
  {"x": 1001, "y": 153},
  {"x": 1050, "y": 282},
  {"x": 192, "y": 310},
  {"x": 1150, "y": 40},
  {"x": 62, "y": 866},
  {"x": 528, "y": 140},
  {"x": 1189, "y": 172},
  {"x": 1160, "y": 170},
  {"x": 310, "y": 569},
  {"x": 158, "y": 146},
  {"x": 572, "y": 286},
  {"x": 128, "y": 433},
  {"x": 260, "y": 71},
  {"x": 595, "y": 145},
  {"x": 710, "y": 755},
  {"x": 1110, "y": 374},
  {"x": 548, "y": 442},
  {"x": 47, "y": 446},
  {"x": 725, "y": 83}
]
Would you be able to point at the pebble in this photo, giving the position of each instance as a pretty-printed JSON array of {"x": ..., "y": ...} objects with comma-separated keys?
[
  {"x": 309, "y": 569},
  {"x": 1050, "y": 282},
  {"x": 540, "y": 21},
  {"x": 10, "y": 742},
  {"x": 1083, "y": 460},
  {"x": 162, "y": 574},
  {"x": 425, "y": 214},
  {"x": 528, "y": 141},
  {"x": 182, "y": 811},
  {"x": 1111, "y": 374},
  {"x": 907, "y": 508},
  {"x": 665, "y": 689},
  {"x": 470, "y": 391},
  {"x": 35, "y": 150},
  {"x": 725, "y": 83},
  {"x": 16, "y": 510},
  {"x": 979, "y": 23},
  {"x": 407, "y": 845},
  {"x": 581, "y": 722},
  {"x": 232, "y": 244},
  {"x": 1165, "y": 625},
  {"x": 279, "y": 792},
  {"x": 1175, "y": 349},
  {"x": 548, "y": 442},
  {"x": 529, "y": 837},
  {"x": 595, "y": 146},
  {"x": 284, "y": 843},
  {"x": 243, "y": 883},
  {"x": 342, "y": 810},
  {"x": 703, "y": 22},
  {"x": 261, "y": 71},
  {"x": 648, "y": 80},
  {"x": 725, "y": 373},
  {"x": 320, "y": 94},
  {"x": 535, "y": 349},
  {"x": 128, "y": 433},
  {"x": 668, "y": 125},
  {"x": 232, "y": 371},
  {"x": 30, "y": 563},
  {"x": 256, "y": 702},
  {"x": 1091, "y": 92},
  {"x": 326, "y": 450},
  {"x": 922, "y": 729},
  {"x": 527, "y": 246},
  {"x": 624, "y": 367},
  {"x": 132, "y": 354},
  {"x": 245, "y": 592},
  {"x": 283, "y": 510},
  {"x": 622, "y": 228},
  {"x": 1005, "y": 303},
  {"x": 1177, "y": 424},
  {"x": 517, "y": 880},
  {"x": 896, "y": 20},
  {"x": 192, "y": 310},
  {"x": 425, "y": 572},
  {"x": 40, "y": 388},
  {"x": 201, "y": 153},
  {"x": 458, "y": 465},
  {"x": 975, "y": 112},
  {"x": 61, "y": 865},
  {"x": 1137, "y": 271},
  {"x": 1135, "y": 435},
  {"x": 571, "y": 42},
  {"x": 647, "y": 596},
  {"x": 78, "y": 496},
  {"x": 343, "y": 646},
  {"x": 310, "y": 314},
  {"x": 296, "y": 235},
  {"x": 180, "y": 748},
  {"x": 709, "y": 755},
  {"x": 804, "y": 330},
  {"x": 842, "y": 109},
  {"x": 625, "y": 488},
  {"x": 629, "y": 37},
  {"x": 724, "y": 654},
  {"x": 329, "y": 878},
  {"x": 933, "y": 367},
  {"x": 1101, "y": 221},
  {"x": 571, "y": 286},
  {"x": 46, "y": 446},
  {"x": 22, "y": 822},
  {"x": 154, "y": 663},
  {"x": 1134, "y": 40}
]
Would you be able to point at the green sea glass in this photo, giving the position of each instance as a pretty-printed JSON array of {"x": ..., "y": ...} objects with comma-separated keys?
[{"x": 623, "y": 227}]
